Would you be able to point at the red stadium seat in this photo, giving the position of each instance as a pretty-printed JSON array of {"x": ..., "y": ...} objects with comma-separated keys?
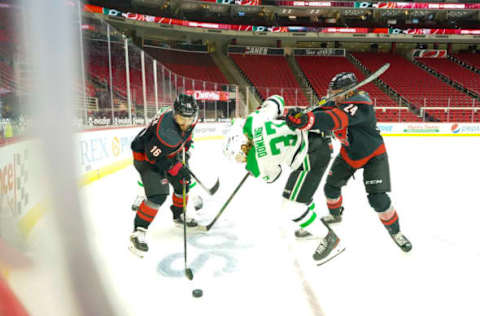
[
  {"x": 416, "y": 85},
  {"x": 465, "y": 77},
  {"x": 320, "y": 70},
  {"x": 271, "y": 75}
]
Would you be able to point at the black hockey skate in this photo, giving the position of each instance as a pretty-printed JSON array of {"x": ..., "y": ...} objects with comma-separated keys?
[
  {"x": 191, "y": 222},
  {"x": 332, "y": 219},
  {"x": 138, "y": 244},
  {"x": 326, "y": 246},
  {"x": 402, "y": 241}
]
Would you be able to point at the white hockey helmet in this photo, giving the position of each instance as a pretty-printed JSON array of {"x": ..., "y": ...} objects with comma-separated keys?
[
  {"x": 232, "y": 147},
  {"x": 273, "y": 106}
]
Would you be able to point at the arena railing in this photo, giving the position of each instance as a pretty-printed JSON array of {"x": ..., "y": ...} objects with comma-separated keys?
[{"x": 131, "y": 87}]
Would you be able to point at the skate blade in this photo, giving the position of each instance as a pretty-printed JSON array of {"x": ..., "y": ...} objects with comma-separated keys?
[
  {"x": 337, "y": 251},
  {"x": 311, "y": 237},
  {"x": 136, "y": 252}
]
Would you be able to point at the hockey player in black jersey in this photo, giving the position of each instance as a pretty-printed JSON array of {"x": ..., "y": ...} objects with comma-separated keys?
[
  {"x": 352, "y": 119},
  {"x": 156, "y": 152}
]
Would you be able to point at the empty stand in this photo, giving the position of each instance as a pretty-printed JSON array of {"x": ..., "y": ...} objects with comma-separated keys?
[
  {"x": 271, "y": 75},
  {"x": 98, "y": 69},
  {"x": 192, "y": 65},
  {"x": 320, "y": 70},
  {"x": 465, "y": 77},
  {"x": 417, "y": 86},
  {"x": 469, "y": 58},
  {"x": 6, "y": 77}
]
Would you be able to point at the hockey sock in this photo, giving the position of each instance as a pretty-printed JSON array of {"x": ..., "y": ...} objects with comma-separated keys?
[
  {"x": 389, "y": 218},
  {"x": 145, "y": 214},
  {"x": 335, "y": 205},
  {"x": 177, "y": 204},
  {"x": 305, "y": 217}
]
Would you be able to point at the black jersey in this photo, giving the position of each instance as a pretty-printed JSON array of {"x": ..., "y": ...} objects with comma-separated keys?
[
  {"x": 161, "y": 141},
  {"x": 355, "y": 126}
]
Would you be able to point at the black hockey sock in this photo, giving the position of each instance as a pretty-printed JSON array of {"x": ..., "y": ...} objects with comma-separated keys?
[
  {"x": 335, "y": 206},
  {"x": 176, "y": 211},
  {"x": 145, "y": 215},
  {"x": 392, "y": 224},
  {"x": 177, "y": 205},
  {"x": 140, "y": 223}
]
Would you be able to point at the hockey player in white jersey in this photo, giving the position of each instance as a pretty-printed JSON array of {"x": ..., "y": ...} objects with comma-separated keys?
[{"x": 267, "y": 145}]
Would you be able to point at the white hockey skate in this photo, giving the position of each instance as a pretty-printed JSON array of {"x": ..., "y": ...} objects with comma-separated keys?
[
  {"x": 303, "y": 234},
  {"x": 138, "y": 200},
  {"x": 197, "y": 202},
  {"x": 138, "y": 244}
]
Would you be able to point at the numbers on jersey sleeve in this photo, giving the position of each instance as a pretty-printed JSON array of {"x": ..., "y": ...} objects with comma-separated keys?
[
  {"x": 351, "y": 109},
  {"x": 155, "y": 151}
]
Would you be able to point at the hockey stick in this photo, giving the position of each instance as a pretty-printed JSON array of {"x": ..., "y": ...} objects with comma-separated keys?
[
  {"x": 369, "y": 79},
  {"x": 210, "y": 191},
  {"x": 188, "y": 271},
  {"x": 209, "y": 226}
]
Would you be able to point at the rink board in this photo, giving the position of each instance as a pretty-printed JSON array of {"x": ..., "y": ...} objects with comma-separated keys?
[{"x": 102, "y": 152}]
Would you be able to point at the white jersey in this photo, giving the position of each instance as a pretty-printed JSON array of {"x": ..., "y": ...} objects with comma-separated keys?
[{"x": 274, "y": 145}]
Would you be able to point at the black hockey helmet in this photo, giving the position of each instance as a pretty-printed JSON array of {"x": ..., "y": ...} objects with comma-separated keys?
[
  {"x": 185, "y": 105},
  {"x": 343, "y": 81}
]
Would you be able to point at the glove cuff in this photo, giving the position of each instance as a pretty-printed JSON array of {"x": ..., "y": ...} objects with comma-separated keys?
[
  {"x": 310, "y": 121},
  {"x": 174, "y": 170}
]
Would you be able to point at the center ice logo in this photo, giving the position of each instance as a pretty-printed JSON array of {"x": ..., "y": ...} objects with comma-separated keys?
[{"x": 455, "y": 128}]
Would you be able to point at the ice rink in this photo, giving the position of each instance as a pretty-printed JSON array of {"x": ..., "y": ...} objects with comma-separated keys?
[{"x": 249, "y": 263}]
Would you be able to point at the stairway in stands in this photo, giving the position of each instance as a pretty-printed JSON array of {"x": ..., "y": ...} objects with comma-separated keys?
[{"x": 420, "y": 88}]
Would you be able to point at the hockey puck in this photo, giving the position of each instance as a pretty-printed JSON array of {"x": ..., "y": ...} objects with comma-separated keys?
[{"x": 197, "y": 293}]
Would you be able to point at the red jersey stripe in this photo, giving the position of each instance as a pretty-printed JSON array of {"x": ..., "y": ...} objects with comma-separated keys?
[
  {"x": 361, "y": 162},
  {"x": 343, "y": 118}
]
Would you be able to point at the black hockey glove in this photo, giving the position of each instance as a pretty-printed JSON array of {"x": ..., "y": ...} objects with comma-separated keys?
[
  {"x": 178, "y": 175},
  {"x": 295, "y": 119}
]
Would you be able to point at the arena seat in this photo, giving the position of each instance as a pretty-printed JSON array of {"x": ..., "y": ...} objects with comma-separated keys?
[
  {"x": 320, "y": 70},
  {"x": 271, "y": 75},
  {"x": 418, "y": 86},
  {"x": 469, "y": 58},
  {"x": 465, "y": 77},
  {"x": 196, "y": 67}
]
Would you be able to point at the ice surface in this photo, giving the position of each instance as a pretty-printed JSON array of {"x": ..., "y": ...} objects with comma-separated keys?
[{"x": 249, "y": 264}]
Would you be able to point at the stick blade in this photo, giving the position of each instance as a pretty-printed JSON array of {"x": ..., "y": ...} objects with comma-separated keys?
[
  {"x": 189, "y": 273},
  {"x": 202, "y": 228}
]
